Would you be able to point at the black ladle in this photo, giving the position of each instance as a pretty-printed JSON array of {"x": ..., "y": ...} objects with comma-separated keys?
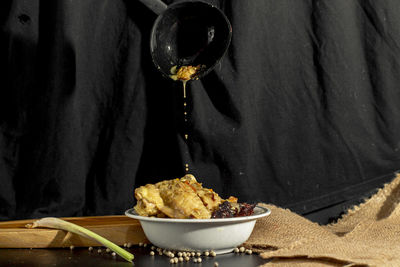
[{"x": 188, "y": 33}]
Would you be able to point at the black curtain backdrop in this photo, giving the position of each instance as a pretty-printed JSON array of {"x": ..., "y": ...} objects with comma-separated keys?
[{"x": 302, "y": 112}]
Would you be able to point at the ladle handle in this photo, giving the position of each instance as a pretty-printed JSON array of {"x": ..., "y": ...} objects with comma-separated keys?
[{"x": 157, "y": 6}]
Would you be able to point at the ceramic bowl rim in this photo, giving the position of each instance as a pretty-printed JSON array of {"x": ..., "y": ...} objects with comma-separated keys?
[{"x": 259, "y": 212}]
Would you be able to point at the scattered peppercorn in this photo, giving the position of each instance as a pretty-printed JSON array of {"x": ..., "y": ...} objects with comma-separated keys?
[{"x": 249, "y": 251}]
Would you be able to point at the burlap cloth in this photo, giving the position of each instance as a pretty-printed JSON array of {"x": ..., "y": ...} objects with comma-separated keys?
[{"x": 367, "y": 235}]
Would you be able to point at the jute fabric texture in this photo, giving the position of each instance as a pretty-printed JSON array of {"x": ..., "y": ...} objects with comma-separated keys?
[{"x": 367, "y": 235}]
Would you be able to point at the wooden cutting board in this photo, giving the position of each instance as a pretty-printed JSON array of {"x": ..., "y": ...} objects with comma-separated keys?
[{"x": 118, "y": 229}]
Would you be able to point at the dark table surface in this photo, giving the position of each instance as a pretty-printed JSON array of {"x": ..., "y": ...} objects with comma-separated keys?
[{"x": 83, "y": 257}]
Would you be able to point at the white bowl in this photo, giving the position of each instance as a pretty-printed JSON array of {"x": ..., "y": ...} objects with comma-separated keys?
[{"x": 221, "y": 235}]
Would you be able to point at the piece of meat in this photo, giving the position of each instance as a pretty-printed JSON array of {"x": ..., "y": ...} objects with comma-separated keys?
[
  {"x": 184, "y": 73},
  {"x": 178, "y": 198},
  {"x": 232, "y": 209},
  {"x": 210, "y": 199},
  {"x": 149, "y": 201},
  {"x": 181, "y": 201}
]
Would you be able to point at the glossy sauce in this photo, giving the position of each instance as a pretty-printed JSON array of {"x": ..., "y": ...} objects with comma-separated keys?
[
  {"x": 185, "y": 118},
  {"x": 185, "y": 74}
]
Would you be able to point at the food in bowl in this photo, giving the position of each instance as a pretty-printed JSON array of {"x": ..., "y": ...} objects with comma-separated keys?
[
  {"x": 221, "y": 235},
  {"x": 233, "y": 209},
  {"x": 185, "y": 198}
]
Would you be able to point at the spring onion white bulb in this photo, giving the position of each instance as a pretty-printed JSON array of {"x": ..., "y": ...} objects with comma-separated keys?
[{"x": 55, "y": 223}]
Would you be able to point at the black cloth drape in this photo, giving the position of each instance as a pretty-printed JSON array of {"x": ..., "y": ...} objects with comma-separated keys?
[{"x": 302, "y": 112}]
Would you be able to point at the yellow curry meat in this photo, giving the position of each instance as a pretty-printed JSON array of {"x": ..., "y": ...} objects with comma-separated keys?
[
  {"x": 177, "y": 198},
  {"x": 184, "y": 73}
]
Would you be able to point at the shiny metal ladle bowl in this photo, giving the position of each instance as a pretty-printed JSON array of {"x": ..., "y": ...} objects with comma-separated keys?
[{"x": 188, "y": 33}]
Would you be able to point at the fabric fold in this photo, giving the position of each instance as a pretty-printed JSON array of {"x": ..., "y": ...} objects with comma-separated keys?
[{"x": 367, "y": 235}]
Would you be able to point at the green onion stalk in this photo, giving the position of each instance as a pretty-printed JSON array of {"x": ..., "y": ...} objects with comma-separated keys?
[{"x": 55, "y": 223}]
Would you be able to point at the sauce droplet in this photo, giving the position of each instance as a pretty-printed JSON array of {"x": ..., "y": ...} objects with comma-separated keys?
[{"x": 184, "y": 88}]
